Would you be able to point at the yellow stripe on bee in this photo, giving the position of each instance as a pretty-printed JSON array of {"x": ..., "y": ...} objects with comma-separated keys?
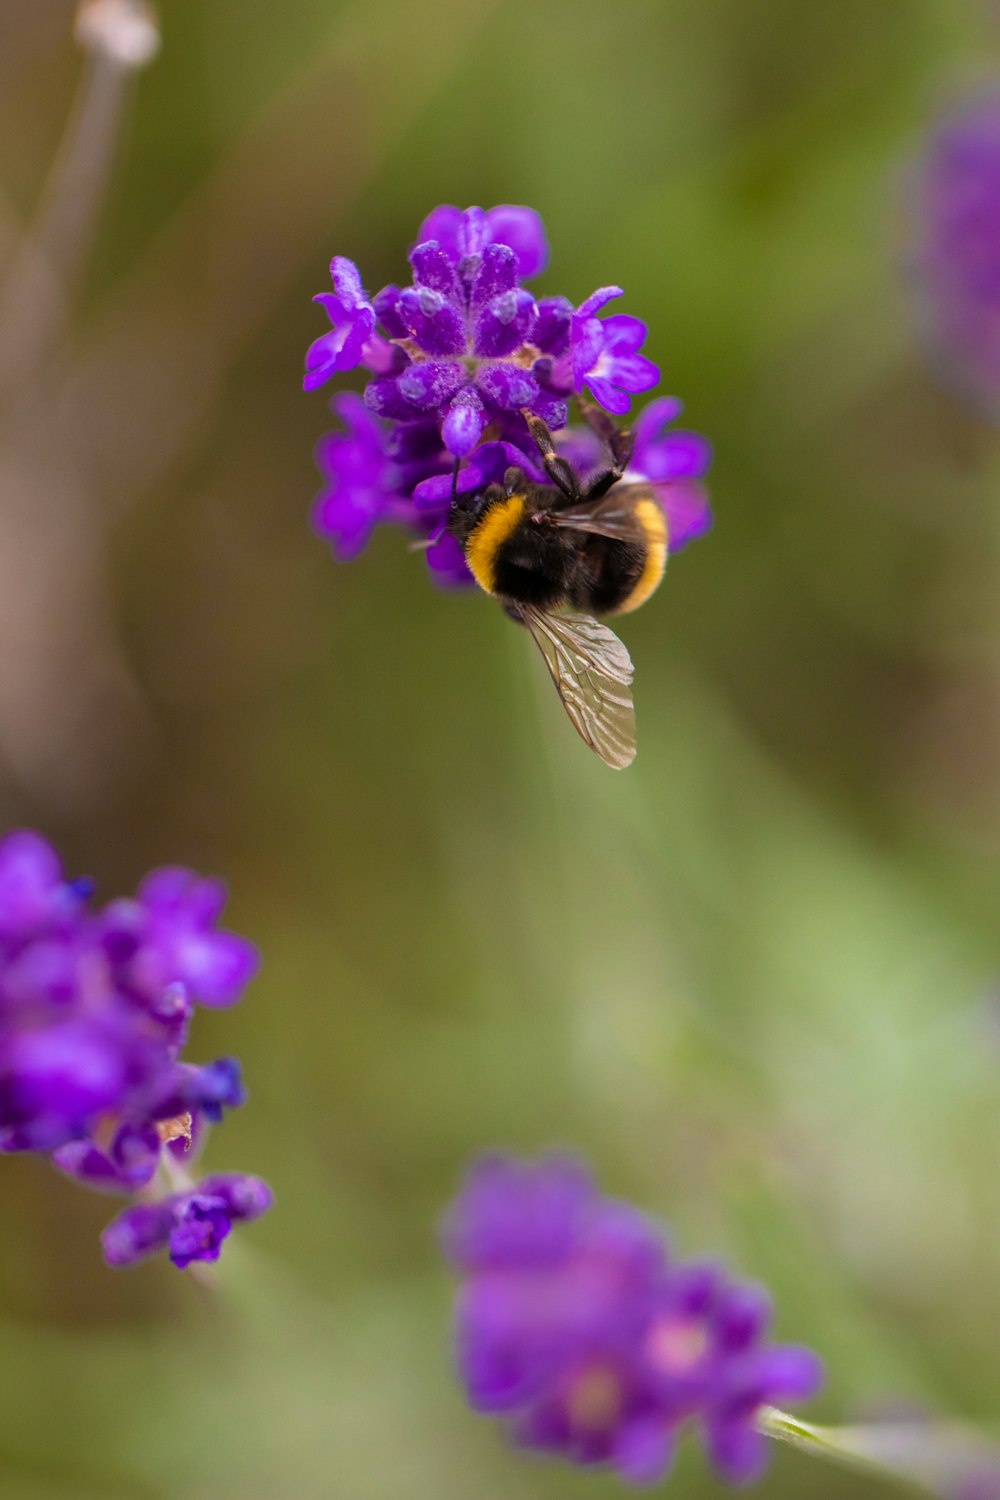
[
  {"x": 650, "y": 516},
  {"x": 499, "y": 522}
]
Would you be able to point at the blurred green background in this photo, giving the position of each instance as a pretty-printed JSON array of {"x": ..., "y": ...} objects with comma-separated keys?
[{"x": 753, "y": 978}]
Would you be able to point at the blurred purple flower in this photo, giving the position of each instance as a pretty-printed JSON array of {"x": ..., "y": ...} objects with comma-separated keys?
[
  {"x": 574, "y": 1324},
  {"x": 190, "y": 1225},
  {"x": 370, "y": 472},
  {"x": 674, "y": 462},
  {"x": 954, "y": 256},
  {"x": 94, "y": 1012}
]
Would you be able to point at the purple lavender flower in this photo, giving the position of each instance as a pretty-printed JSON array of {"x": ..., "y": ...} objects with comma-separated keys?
[
  {"x": 353, "y": 320},
  {"x": 574, "y": 1324},
  {"x": 464, "y": 234},
  {"x": 468, "y": 331},
  {"x": 370, "y": 471},
  {"x": 604, "y": 355},
  {"x": 95, "y": 1008},
  {"x": 456, "y": 359},
  {"x": 954, "y": 258},
  {"x": 190, "y": 1225}
]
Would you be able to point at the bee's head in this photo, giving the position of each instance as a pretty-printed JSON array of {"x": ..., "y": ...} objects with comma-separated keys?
[{"x": 468, "y": 510}]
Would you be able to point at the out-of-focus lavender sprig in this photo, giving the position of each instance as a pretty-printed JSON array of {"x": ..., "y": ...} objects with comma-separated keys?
[
  {"x": 954, "y": 249},
  {"x": 95, "y": 1008},
  {"x": 576, "y": 1325},
  {"x": 455, "y": 359}
]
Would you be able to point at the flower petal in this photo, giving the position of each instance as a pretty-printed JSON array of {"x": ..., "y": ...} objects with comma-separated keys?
[
  {"x": 504, "y": 324},
  {"x": 597, "y": 300},
  {"x": 432, "y": 321},
  {"x": 443, "y": 224},
  {"x": 507, "y": 386},
  {"x": 687, "y": 510},
  {"x": 605, "y": 394},
  {"x": 551, "y": 333},
  {"x": 497, "y": 273},
  {"x": 522, "y": 229},
  {"x": 434, "y": 268},
  {"x": 464, "y": 423}
]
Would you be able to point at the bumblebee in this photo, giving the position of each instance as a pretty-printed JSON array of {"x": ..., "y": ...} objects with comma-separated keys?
[{"x": 557, "y": 556}]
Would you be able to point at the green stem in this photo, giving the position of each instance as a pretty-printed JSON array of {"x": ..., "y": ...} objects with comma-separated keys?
[
  {"x": 833, "y": 1443},
  {"x": 940, "y": 1458}
]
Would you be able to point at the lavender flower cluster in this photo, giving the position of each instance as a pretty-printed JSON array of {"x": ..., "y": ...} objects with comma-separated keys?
[
  {"x": 95, "y": 1009},
  {"x": 575, "y": 1324},
  {"x": 455, "y": 360}
]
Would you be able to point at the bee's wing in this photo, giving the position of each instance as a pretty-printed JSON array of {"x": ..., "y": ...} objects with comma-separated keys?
[
  {"x": 613, "y": 515},
  {"x": 592, "y": 671}
]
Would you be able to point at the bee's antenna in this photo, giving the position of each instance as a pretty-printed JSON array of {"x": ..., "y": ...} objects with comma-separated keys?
[{"x": 454, "y": 483}]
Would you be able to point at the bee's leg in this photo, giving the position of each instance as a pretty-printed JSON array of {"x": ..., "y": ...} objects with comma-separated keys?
[
  {"x": 619, "y": 446},
  {"x": 511, "y": 610},
  {"x": 558, "y": 470}
]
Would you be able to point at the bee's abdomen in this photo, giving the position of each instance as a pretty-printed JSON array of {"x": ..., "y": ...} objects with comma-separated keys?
[{"x": 631, "y": 571}]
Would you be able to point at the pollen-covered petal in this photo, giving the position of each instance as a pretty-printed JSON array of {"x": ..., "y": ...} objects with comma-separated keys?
[
  {"x": 551, "y": 332},
  {"x": 497, "y": 274},
  {"x": 473, "y": 233},
  {"x": 434, "y": 269},
  {"x": 522, "y": 229},
  {"x": 464, "y": 422},
  {"x": 347, "y": 282},
  {"x": 507, "y": 387},
  {"x": 386, "y": 305},
  {"x": 426, "y": 386},
  {"x": 597, "y": 300},
  {"x": 504, "y": 324},
  {"x": 432, "y": 321},
  {"x": 552, "y": 409}
]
